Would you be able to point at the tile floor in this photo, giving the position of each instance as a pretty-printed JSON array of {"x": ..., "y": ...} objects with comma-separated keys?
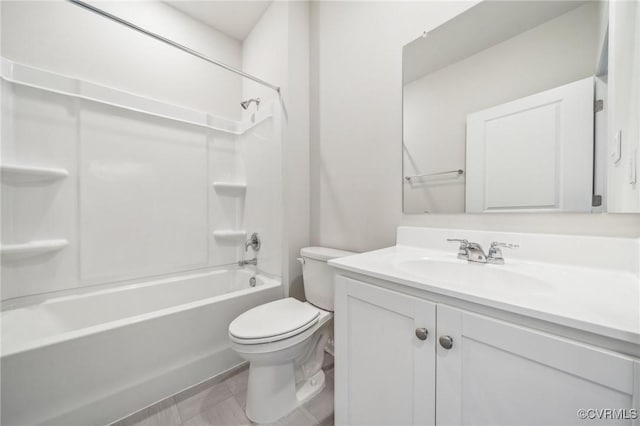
[{"x": 221, "y": 403}]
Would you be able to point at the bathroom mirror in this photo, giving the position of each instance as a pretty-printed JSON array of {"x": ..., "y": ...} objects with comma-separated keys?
[{"x": 505, "y": 109}]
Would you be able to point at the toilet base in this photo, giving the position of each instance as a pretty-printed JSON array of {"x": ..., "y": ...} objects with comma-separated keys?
[
  {"x": 278, "y": 383},
  {"x": 285, "y": 373},
  {"x": 311, "y": 387}
]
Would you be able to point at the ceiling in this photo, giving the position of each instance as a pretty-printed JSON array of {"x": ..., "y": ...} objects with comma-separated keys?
[{"x": 235, "y": 18}]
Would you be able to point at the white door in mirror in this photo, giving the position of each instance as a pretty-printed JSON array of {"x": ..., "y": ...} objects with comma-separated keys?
[{"x": 534, "y": 153}]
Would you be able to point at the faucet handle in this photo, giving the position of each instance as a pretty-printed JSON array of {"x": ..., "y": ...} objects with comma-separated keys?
[
  {"x": 463, "y": 253},
  {"x": 506, "y": 245},
  {"x": 458, "y": 240},
  {"x": 253, "y": 242},
  {"x": 495, "y": 254}
]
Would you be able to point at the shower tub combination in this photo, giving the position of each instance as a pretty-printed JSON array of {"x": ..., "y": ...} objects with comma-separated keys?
[
  {"x": 93, "y": 358},
  {"x": 97, "y": 355}
]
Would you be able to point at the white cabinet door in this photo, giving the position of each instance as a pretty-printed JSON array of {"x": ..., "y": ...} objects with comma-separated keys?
[
  {"x": 496, "y": 373},
  {"x": 534, "y": 153},
  {"x": 385, "y": 375}
]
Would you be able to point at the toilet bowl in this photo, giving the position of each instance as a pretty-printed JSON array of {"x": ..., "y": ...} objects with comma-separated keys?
[{"x": 284, "y": 342}]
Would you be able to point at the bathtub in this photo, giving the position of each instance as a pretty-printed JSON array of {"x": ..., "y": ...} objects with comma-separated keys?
[{"x": 90, "y": 359}]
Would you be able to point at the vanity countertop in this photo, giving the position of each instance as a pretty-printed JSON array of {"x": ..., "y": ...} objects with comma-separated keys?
[{"x": 591, "y": 297}]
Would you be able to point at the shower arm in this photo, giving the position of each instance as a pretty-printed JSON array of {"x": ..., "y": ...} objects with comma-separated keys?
[{"x": 172, "y": 43}]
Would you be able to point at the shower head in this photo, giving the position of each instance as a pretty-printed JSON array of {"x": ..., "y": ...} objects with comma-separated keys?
[{"x": 245, "y": 104}]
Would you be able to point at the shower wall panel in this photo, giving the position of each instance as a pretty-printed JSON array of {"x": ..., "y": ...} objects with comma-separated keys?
[
  {"x": 143, "y": 194},
  {"x": 138, "y": 200},
  {"x": 39, "y": 129}
]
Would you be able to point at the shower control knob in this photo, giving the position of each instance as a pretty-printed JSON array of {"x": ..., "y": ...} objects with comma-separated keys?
[
  {"x": 422, "y": 333},
  {"x": 446, "y": 342}
]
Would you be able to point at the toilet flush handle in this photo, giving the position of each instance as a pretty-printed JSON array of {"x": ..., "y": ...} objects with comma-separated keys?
[{"x": 301, "y": 260}]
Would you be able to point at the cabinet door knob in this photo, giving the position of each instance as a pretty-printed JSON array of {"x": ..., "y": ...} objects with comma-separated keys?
[
  {"x": 446, "y": 342},
  {"x": 422, "y": 333}
]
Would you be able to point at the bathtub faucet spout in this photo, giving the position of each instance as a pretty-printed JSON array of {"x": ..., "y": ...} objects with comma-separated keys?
[{"x": 253, "y": 261}]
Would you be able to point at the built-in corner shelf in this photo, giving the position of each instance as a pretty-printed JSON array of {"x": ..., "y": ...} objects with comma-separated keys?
[
  {"x": 33, "y": 248},
  {"x": 230, "y": 234},
  {"x": 232, "y": 188},
  {"x": 24, "y": 174}
]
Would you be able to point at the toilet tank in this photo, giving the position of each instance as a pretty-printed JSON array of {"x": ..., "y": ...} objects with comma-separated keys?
[{"x": 318, "y": 276}]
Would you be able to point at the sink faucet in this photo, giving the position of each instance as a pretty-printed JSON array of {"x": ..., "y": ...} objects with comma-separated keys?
[
  {"x": 473, "y": 252},
  {"x": 463, "y": 253}
]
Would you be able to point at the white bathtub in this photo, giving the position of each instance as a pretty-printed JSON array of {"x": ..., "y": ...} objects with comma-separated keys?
[{"x": 93, "y": 358}]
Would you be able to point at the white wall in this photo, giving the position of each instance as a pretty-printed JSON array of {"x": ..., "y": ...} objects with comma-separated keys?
[
  {"x": 277, "y": 50},
  {"x": 260, "y": 156},
  {"x": 356, "y": 167},
  {"x": 436, "y": 106},
  {"x": 264, "y": 55},
  {"x": 264, "y": 52},
  {"x": 61, "y": 37},
  {"x": 296, "y": 140},
  {"x": 624, "y": 86}
]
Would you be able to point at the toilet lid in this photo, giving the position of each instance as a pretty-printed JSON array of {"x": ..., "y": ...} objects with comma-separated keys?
[{"x": 274, "y": 321}]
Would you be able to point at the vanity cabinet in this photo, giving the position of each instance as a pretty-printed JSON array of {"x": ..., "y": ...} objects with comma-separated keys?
[
  {"x": 497, "y": 373},
  {"x": 387, "y": 371},
  {"x": 471, "y": 369}
]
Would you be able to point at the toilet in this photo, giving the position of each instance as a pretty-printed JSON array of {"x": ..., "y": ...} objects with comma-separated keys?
[{"x": 284, "y": 341}]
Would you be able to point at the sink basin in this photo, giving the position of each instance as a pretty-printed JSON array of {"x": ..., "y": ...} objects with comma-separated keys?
[
  {"x": 559, "y": 279},
  {"x": 484, "y": 277}
]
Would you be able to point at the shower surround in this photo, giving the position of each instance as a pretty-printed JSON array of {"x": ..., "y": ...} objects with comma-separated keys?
[{"x": 123, "y": 219}]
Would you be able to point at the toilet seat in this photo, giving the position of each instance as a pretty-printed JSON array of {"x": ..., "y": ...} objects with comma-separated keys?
[{"x": 273, "y": 321}]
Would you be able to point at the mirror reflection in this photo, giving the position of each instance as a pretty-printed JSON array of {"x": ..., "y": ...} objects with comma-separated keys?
[{"x": 513, "y": 117}]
